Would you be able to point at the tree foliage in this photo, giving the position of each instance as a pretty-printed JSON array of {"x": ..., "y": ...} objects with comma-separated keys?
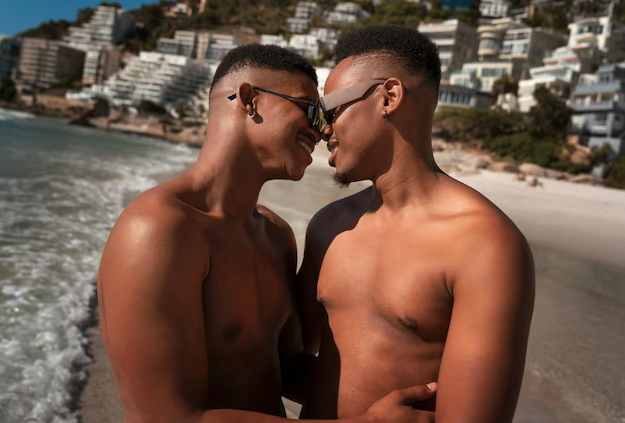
[
  {"x": 506, "y": 84},
  {"x": 8, "y": 91},
  {"x": 615, "y": 176},
  {"x": 549, "y": 119}
]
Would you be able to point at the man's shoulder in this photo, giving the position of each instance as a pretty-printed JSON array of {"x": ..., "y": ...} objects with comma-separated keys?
[
  {"x": 482, "y": 236},
  {"x": 337, "y": 211},
  {"x": 277, "y": 228},
  {"x": 156, "y": 216}
]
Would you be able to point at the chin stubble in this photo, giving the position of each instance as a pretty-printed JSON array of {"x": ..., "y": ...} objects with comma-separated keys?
[{"x": 341, "y": 180}]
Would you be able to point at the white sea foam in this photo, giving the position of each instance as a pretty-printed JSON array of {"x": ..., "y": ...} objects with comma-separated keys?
[
  {"x": 52, "y": 232},
  {"x": 11, "y": 114}
]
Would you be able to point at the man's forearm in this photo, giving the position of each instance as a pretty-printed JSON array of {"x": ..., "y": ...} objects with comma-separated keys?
[{"x": 240, "y": 416}]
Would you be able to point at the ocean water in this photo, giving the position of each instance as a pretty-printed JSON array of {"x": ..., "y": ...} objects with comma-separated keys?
[{"x": 61, "y": 190}]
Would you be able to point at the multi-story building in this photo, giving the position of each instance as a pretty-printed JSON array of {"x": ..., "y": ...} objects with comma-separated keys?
[
  {"x": 184, "y": 44},
  {"x": 213, "y": 46},
  {"x": 306, "y": 45},
  {"x": 101, "y": 64},
  {"x": 598, "y": 104},
  {"x": 304, "y": 12},
  {"x": 602, "y": 31},
  {"x": 458, "y": 97},
  {"x": 560, "y": 72},
  {"x": 9, "y": 56},
  {"x": 457, "y": 43},
  {"x": 346, "y": 13},
  {"x": 481, "y": 76},
  {"x": 44, "y": 63},
  {"x": 96, "y": 38},
  {"x": 328, "y": 37},
  {"x": 277, "y": 40},
  {"x": 494, "y": 8},
  {"x": 107, "y": 27},
  {"x": 161, "y": 78},
  {"x": 529, "y": 45},
  {"x": 179, "y": 10}
]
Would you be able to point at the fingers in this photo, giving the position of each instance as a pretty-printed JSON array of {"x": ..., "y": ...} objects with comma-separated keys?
[{"x": 416, "y": 393}]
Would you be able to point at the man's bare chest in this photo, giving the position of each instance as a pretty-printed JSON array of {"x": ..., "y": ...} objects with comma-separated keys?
[
  {"x": 393, "y": 279},
  {"x": 246, "y": 297}
]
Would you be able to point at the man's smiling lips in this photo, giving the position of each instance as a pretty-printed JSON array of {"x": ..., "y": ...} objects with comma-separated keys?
[
  {"x": 307, "y": 142},
  {"x": 333, "y": 147}
]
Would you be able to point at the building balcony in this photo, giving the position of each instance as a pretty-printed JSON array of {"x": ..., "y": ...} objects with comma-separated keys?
[
  {"x": 593, "y": 107},
  {"x": 601, "y": 87}
]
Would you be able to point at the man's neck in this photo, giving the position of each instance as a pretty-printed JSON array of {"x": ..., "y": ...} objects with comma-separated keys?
[
  {"x": 229, "y": 176},
  {"x": 409, "y": 182}
]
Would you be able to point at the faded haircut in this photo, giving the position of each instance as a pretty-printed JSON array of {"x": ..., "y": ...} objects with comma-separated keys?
[
  {"x": 415, "y": 52},
  {"x": 263, "y": 56}
]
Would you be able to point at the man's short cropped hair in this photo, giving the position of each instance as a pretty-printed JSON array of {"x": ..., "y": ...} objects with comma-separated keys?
[
  {"x": 263, "y": 56},
  {"x": 413, "y": 50}
]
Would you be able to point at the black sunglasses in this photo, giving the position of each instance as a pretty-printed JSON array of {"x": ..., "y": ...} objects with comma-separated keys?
[{"x": 312, "y": 111}]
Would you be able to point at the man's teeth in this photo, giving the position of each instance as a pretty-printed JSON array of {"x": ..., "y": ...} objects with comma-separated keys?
[{"x": 308, "y": 147}]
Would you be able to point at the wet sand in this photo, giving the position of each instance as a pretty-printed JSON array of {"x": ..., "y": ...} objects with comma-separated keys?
[{"x": 575, "y": 370}]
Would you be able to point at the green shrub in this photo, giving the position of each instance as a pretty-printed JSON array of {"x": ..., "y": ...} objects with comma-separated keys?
[{"x": 615, "y": 177}]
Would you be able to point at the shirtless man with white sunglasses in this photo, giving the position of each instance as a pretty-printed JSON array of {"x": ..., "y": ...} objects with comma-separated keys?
[{"x": 418, "y": 277}]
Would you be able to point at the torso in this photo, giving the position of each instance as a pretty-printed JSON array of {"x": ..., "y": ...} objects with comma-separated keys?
[
  {"x": 246, "y": 303},
  {"x": 382, "y": 285}
]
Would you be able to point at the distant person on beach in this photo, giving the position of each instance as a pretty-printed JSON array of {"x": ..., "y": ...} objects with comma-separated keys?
[
  {"x": 195, "y": 284},
  {"x": 417, "y": 277}
]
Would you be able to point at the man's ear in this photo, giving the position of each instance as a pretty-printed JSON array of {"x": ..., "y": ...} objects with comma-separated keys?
[
  {"x": 393, "y": 92},
  {"x": 246, "y": 98}
]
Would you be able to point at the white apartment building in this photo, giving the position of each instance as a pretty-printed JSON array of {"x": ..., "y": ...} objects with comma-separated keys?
[
  {"x": 213, "y": 46},
  {"x": 43, "y": 63},
  {"x": 304, "y": 12},
  {"x": 604, "y": 32},
  {"x": 559, "y": 73},
  {"x": 529, "y": 45},
  {"x": 96, "y": 38},
  {"x": 328, "y": 37},
  {"x": 492, "y": 35},
  {"x": 179, "y": 10},
  {"x": 458, "y": 97},
  {"x": 346, "y": 13},
  {"x": 494, "y": 8},
  {"x": 481, "y": 76},
  {"x": 306, "y": 45},
  {"x": 277, "y": 40},
  {"x": 184, "y": 44},
  {"x": 161, "y": 78},
  {"x": 101, "y": 65},
  {"x": 457, "y": 43},
  {"x": 107, "y": 27}
]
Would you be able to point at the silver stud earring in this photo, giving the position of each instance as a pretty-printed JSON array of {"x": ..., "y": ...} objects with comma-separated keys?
[
  {"x": 253, "y": 115},
  {"x": 385, "y": 114}
]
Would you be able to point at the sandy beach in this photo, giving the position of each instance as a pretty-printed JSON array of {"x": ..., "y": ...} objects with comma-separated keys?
[{"x": 575, "y": 371}]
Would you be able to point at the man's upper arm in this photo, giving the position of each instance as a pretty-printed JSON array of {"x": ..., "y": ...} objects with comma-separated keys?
[
  {"x": 150, "y": 294},
  {"x": 484, "y": 356},
  {"x": 306, "y": 283}
]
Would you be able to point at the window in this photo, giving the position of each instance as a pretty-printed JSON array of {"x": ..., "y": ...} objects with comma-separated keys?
[
  {"x": 605, "y": 78},
  {"x": 601, "y": 118}
]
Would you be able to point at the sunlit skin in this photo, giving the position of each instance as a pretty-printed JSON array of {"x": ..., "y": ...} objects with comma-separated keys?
[
  {"x": 195, "y": 285},
  {"x": 416, "y": 278}
]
